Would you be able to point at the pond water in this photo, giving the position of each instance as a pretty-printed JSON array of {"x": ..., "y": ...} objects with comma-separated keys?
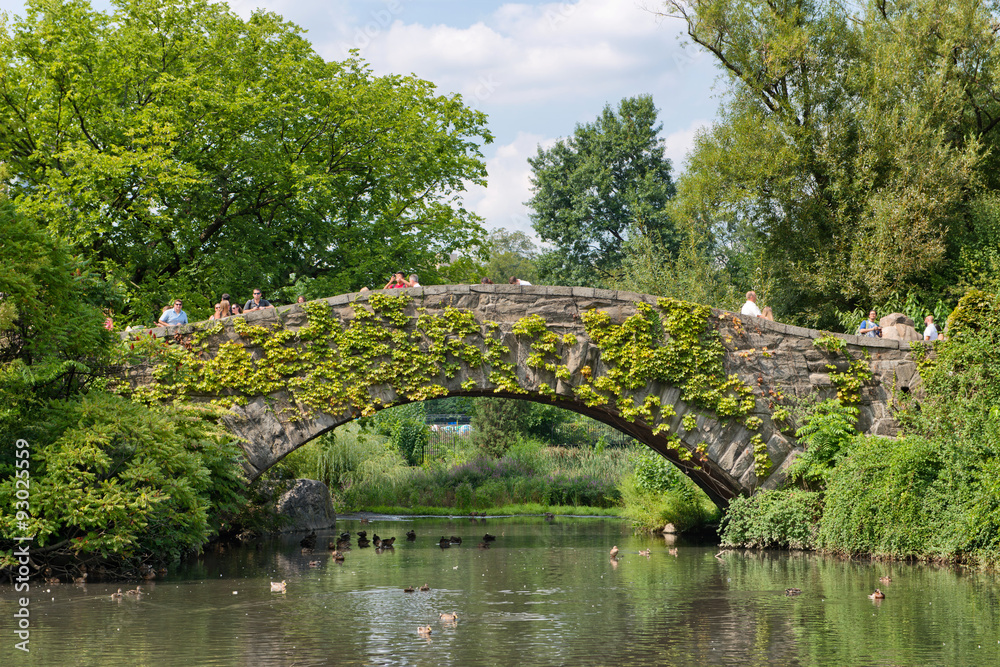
[{"x": 544, "y": 594}]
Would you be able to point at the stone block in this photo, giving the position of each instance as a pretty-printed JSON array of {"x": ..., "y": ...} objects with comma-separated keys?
[{"x": 307, "y": 506}]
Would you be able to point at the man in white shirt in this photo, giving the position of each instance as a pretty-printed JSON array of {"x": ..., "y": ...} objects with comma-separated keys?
[
  {"x": 930, "y": 332},
  {"x": 750, "y": 307}
]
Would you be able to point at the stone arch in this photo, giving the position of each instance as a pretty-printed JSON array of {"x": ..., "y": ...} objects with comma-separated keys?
[{"x": 529, "y": 342}]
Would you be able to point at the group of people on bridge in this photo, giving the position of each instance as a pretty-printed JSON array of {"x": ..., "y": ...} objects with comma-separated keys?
[{"x": 870, "y": 327}]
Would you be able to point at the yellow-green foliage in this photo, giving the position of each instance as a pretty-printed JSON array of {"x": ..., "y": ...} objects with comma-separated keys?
[{"x": 330, "y": 366}]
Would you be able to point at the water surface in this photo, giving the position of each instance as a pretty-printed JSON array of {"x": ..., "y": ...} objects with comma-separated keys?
[{"x": 544, "y": 594}]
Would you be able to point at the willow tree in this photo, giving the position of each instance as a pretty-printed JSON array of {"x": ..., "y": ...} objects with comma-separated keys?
[
  {"x": 852, "y": 147},
  {"x": 189, "y": 150}
]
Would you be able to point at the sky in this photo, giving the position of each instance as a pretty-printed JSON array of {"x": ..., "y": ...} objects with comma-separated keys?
[{"x": 537, "y": 69}]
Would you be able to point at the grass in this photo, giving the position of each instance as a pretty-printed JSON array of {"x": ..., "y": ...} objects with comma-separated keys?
[
  {"x": 520, "y": 509},
  {"x": 365, "y": 473}
]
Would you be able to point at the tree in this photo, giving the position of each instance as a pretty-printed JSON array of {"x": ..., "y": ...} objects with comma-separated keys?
[
  {"x": 497, "y": 423},
  {"x": 594, "y": 190},
  {"x": 511, "y": 253},
  {"x": 851, "y": 147},
  {"x": 190, "y": 152}
]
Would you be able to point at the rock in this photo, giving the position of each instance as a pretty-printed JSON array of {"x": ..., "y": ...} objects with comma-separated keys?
[
  {"x": 307, "y": 505},
  {"x": 897, "y": 326}
]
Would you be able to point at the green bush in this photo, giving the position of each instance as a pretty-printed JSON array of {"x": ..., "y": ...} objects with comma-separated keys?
[
  {"x": 772, "y": 520},
  {"x": 828, "y": 427},
  {"x": 684, "y": 505},
  {"x": 113, "y": 480}
]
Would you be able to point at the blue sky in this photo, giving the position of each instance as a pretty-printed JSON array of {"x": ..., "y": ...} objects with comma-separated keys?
[{"x": 536, "y": 68}]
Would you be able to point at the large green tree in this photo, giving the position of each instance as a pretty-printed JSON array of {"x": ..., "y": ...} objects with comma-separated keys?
[
  {"x": 852, "y": 146},
  {"x": 594, "y": 190},
  {"x": 189, "y": 151}
]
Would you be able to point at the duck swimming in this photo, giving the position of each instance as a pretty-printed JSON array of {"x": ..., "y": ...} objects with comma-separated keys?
[
  {"x": 449, "y": 618},
  {"x": 877, "y": 595},
  {"x": 277, "y": 586},
  {"x": 614, "y": 552}
]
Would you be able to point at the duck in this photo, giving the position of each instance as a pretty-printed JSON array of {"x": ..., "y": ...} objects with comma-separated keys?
[
  {"x": 424, "y": 630},
  {"x": 309, "y": 541},
  {"x": 885, "y": 580},
  {"x": 411, "y": 535},
  {"x": 136, "y": 592},
  {"x": 409, "y": 589},
  {"x": 147, "y": 572},
  {"x": 314, "y": 563},
  {"x": 672, "y": 552},
  {"x": 49, "y": 577},
  {"x": 448, "y": 618},
  {"x": 337, "y": 556},
  {"x": 388, "y": 542},
  {"x": 877, "y": 595},
  {"x": 489, "y": 538},
  {"x": 793, "y": 591},
  {"x": 278, "y": 586},
  {"x": 549, "y": 516},
  {"x": 344, "y": 537},
  {"x": 363, "y": 520},
  {"x": 82, "y": 579},
  {"x": 425, "y": 588},
  {"x": 456, "y": 540},
  {"x": 614, "y": 552},
  {"x": 118, "y": 595},
  {"x": 444, "y": 543},
  {"x": 376, "y": 540},
  {"x": 644, "y": 553},
  {"x": 363, "y": 543},
  {"x": 306, "y": 551},
  {"x": 363, "y": 534}
]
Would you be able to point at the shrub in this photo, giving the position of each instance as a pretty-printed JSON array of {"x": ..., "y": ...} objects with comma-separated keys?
[
  {"x": 828, "y": 428},
  {"x": 772, "y": 519},
  {"x": 113, "y": 480},
  {"x": 685, "y": 505}
]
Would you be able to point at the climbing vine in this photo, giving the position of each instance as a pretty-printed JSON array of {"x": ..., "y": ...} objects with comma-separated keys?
[
  {"x": 332, "y": 366},
  {"x": 383, "y": 353},
  {"x": 849, "y": 381}
]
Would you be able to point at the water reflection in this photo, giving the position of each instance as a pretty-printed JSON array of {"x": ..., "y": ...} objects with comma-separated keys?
[{"x": 543, "y": 593}]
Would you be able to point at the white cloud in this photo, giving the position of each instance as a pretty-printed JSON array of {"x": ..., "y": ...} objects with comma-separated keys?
[
  {"x": 534, "y": 53},
  {"x": 502, "y": 203}
]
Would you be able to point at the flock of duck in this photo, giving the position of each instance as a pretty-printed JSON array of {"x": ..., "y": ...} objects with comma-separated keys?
[{"x": 338, "y": 546}]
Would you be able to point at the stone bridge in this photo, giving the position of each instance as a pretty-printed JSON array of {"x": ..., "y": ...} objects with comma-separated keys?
[{"x": 708, "y": 389}]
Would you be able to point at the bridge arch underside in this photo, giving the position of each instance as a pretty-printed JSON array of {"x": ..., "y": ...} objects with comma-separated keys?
[{"x": 717, "y": 455}]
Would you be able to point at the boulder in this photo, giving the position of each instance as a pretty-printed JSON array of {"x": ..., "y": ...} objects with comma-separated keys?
[
  {"x": 307, "y": 505},
  {"x": 897, "y": 326}
]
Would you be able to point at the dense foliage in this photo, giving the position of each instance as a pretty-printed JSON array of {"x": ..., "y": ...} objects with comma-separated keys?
[
  {"x": 188, "y": 152},
  {"x": 854, "y": 158},
  {"x": 932, "y": 494},
  {"x": 108, "y": 480},
  {"x": 598, "y": 188}
]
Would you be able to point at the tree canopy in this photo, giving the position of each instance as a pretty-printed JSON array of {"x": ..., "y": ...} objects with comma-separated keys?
[
  {"x": 190, "y": 152},
  {"x": 854, "y": 157},
  {"x": 594, "y": 190}
]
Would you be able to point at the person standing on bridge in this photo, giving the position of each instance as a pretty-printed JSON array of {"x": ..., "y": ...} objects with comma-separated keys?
[
  {"x": 174, "y": 316},
  {"x": 930, "y": 332},
  {"x": 258, "y": 302},
  {"x": 750, "y": 307},
  {"x": 870, "y": 327}
]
